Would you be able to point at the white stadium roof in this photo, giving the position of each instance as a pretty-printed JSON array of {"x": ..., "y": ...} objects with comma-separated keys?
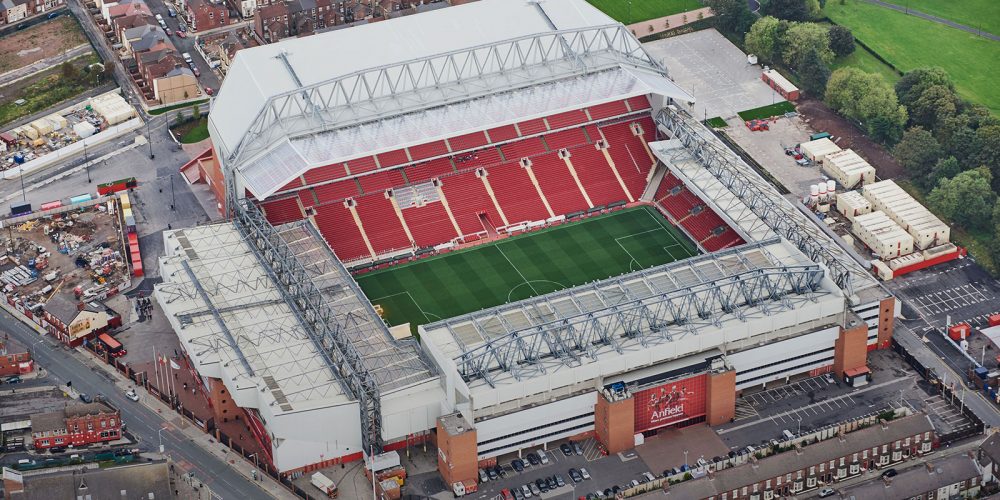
[{"x": 443, "y": 73}]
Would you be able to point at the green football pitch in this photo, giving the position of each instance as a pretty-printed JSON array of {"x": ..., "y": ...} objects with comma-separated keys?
[{"x": 524, "y": 266}]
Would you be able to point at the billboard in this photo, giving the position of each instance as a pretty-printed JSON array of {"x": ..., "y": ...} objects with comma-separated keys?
[{"x": 670, "y": 403}]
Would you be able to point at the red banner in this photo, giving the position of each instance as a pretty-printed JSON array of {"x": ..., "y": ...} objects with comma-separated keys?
[{"x": 670, "y": 403}]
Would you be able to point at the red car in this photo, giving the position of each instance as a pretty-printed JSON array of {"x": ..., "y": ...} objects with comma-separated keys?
[
  {"x": 182, "y": 34},
  {"x": 209, "y": 91}
]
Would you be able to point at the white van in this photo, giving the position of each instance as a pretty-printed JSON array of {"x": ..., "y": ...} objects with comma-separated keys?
[
  {"x": 543, "y": 457},
  {"x": 788, "y": 434}
]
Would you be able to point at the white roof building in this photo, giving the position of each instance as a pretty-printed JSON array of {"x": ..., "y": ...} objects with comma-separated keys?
[{"x": 291, "y": 106}]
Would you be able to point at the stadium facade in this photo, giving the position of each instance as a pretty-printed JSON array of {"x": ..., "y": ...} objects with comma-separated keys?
[{"x": 464, "y": 125}]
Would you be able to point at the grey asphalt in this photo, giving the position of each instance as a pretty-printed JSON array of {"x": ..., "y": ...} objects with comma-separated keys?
[
  {"x": 936, "y": 19},
  {"x": 142, "y": 422}
]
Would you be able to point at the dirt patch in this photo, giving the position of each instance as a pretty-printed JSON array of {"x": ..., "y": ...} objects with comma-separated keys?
[
  {"x": 822, "y": 118},
  {"x": 38, "y": 42}
]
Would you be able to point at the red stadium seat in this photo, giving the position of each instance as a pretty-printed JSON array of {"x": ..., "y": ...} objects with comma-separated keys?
[
  {"x": 283, "y": 211},
  {"x": 596, "y": 175},
  {"x": 565, "y": 138},
  {"x": 630, "y": 157},
  {"x": 392, "y": 158},
  {"x": 532, "y": 126},
  {"x": 557, "y": 184},
  {"x": 500, "y": 134},
  {"x": 381, "y": 224},
  {"x": 524, "y": 148},
  {"x": 362, "y": 165},
  {"x": 422, "y": 151},
  {"x": 468, "y": 141},
  {"x": 429, "y": 224},
  {"x": 380, "y": 181},
  {"x": 426, "y": 171},
  {"x": 327, "y": 173},
  {"x": 607, "y": 110},
  {"x": 337, "y": 226},
  {"x": 517, "y": 195},
  {"x": 336, "y": 191},
  {"x": 467, "y": 197},
  {"x": 567, "y": 119}
]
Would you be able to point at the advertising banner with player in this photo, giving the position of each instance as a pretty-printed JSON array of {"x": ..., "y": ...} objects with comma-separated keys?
[{"x": 670, "y": 403}]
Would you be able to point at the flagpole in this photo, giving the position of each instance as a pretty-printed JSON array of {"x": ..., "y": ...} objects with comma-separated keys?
[
  {"x": 173, "y": 382},
  {"x": 156, "y": 371}
]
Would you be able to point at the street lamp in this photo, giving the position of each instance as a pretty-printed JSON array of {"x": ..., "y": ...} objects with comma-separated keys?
[
  {"x": 149, "y": 140},
  {"x": 685, "y": 458},
  {"x": 800, "y": 426},
  {"x": 86, "y": 160},
  {"x": 159, "y": 435}
]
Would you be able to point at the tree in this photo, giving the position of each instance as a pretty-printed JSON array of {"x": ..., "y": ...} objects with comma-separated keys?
[
  {"x": 763, "y": 38},
  {"x": 179, "y": 118},
  {"x": 68, "y": 71},
  {"x": 793, "y": 10},
  {"x": 195, "y": 112},
  {"x": 814, "y": 9},
  {"x": 918, "y": 152},
  {"x": 868, "y": 99},
  {"x": 912, "y": 84},
  {"x": 933, "y": 105},
  {"x": 814, "y": 73},
  {"x": 841, "y": 40},
  {"x": 802, "y": 38},
  {"x": 731, "y": 15},
  {"x": 946, "y": 168},
  {"x": 989, "y": 151},
  {"x": 966, "y": 198}
]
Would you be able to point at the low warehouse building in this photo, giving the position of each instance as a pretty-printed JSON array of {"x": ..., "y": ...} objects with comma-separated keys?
[
  {"x": 852, "y": 204},
  {"x": 927, "y": 230},
  {"x": 849, "y": 169},
  {"x": 882, "y": 235},
  {"x": 818, "y": 149}
]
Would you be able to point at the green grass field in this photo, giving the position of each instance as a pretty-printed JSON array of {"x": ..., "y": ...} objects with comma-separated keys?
[
  {"x": 644, "y": 10},
  {"x": 865, "y": 61},
  {"x": 776, "y": 109},
  {"x": 909, "y": 42},
  {"x": 977, "y": 14},
  {"x": 717, "y": 122},
  {"x": 524, "y": 266}
]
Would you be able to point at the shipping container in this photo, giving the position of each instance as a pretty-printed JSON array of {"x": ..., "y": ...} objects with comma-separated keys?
[
  {"x": 116, "y": 186},
  {"x": 848, "y": 169},
  {"x": 20, "y": 208},
  {"x": 80, "y": 198},
  {"x": 882, "y": 235},
  {"x": 42, "y": 126},
  {"x": 994, "y": 319},
  {"x": 926, "y": 228},
  {"x": 50, "y": 205},
  {"x": 851, "y": 204},
  {"x": 959, "y": 331}
]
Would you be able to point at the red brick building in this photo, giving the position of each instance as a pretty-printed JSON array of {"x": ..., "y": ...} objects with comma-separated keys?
[
  {"x": 294, "y": 18},
  {"x": 76, "y": 425},
  {"x": 14, "y": 359},
  {"x": 204, "y": 15}
]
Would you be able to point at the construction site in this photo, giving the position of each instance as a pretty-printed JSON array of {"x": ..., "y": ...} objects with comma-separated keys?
[{"x": 63, "y": 268}]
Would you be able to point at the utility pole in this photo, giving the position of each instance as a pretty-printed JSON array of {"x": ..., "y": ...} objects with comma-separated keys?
[
  {"x": 149, "y": 140},
  {"x": 86, "y": 160},
  {"x": 171, "y": 191}
]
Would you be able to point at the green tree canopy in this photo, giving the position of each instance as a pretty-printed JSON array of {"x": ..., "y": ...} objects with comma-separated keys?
[
  {"x": 841, "y": 40},
  {"x": 764, "y": 38},
  {"x": 814, "y": 73},
  {"x": 933, "y": 105},
  {"x": 918, "y": 152},
  {"x": 912, "y": 84},
  {"x": 966, "y": 198},
  {"x": 989, "y": 151},
  {"x": 869, "y": 99},
  {"x": 793, "y": 10},
  {"x": 946, "y": 168},
  {"x": 733, "y": 16},
  {"x": 802, "y": 38}
]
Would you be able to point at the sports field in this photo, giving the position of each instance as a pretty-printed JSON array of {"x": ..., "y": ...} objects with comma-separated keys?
[
  {"x": 634, "y": 11},
  {"x": 524, "y": 266},
  {"x": 909, "y": 42}
]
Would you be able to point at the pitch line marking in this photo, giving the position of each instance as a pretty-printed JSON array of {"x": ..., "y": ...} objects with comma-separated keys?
[
  {"x": 407, "y": 293},
  {"x": 519, "y": 273}
]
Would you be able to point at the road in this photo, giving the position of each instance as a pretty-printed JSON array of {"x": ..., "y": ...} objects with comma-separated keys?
[
  {"x": 147, "y": 425},
  {"x": 208, "y": 77}
]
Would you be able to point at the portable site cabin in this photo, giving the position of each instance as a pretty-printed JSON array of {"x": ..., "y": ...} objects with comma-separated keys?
[
  {"x": 780, "y": 84},
  {"x": 851, "y": 204},
  {"x": 42, "y": 126},
  {"x": 849, "y": 169},
  {"x": 818, "y": 149},
  {"x": 84, "y": 129},
  {"x": 113, "y": 108},
  {"x": 881, "y": 234},
  {"x": 925, "y": 227},
  {"x": 58, "y": 121}
]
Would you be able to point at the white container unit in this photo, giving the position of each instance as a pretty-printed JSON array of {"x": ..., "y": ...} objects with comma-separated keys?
[
  {"x": 818, "y": 149},
  {"x": 849, "y": 169},
  {"x": 927, "y": 230},
  {"x": 881, "y": 234},
  {"x": 851, "y": 204}
]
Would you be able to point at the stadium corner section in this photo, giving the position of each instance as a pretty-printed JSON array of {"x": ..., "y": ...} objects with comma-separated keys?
[{"x": 524, "y": 266}]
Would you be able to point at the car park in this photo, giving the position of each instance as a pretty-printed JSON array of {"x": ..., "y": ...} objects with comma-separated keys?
[
  {"x": 584, "y": 473},
  {"x": 566, "y": 449}
]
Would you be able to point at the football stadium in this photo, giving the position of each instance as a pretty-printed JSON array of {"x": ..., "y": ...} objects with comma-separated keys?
[{"x": 504, "y": 231}]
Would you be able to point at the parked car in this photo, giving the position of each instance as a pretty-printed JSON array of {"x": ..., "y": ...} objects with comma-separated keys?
[
  {"x": 13, "y": 379},
  {"x": 57, "y": 449},
  {"x": 533, "y": 459},
  {"x": 505, "y": 493},
  {"x": 181, "y": 34},
  {"x": 566, "y": 449},
  {"x": 648, "y": 476},
  {"x": 168, "y": 31},
  {"x": 550, "y": 482},
  {"x": 633, "y": 483},
  {"x": 584, "y": 473},
  {"x": 576, "y": 447},
  {"x": 171, "y": 12},
  {"x": 560, "y": 482},
  {"x": 517, "y": 465},
  {"x": 829, "y": 378},
  {"x": 825, "y": 492},
  {"x": 575, "y": 475},
  {"x": 483, "y": 476},
  {"x": 492, "y": 474},
  {"x": 209, "y": 91},
  {"x": 517, "y": 494},
  {"x": 194, "y": 70},
  {"x": 889, "y": 473},
  {"x": 132, "y": 395},
  {"x": 85, "y": 398},
  {"x": 499, "y": 470},
  {"x": 526, "y": 491},
  {"x": 543, "y": 456},
  {"x": 534, "y": 489}
]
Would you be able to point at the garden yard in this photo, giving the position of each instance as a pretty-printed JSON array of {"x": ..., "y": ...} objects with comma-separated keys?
[
  {"x": 634, "y": 11},
  {"x": 191, "y": 130},
  {"x": 910, "y": 42}
]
